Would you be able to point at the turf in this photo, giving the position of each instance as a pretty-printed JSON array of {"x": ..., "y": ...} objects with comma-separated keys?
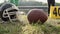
[{"x": 51, "y": 26}]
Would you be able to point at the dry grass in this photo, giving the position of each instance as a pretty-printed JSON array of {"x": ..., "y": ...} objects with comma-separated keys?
[{"x": 51, "y": 26}]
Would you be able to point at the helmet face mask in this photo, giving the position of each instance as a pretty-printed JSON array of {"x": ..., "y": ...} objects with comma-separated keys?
[{"x": 10, "y": 13}]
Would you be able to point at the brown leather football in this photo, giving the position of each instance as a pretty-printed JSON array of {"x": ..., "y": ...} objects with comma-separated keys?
[{"x": 37, "y": 14}]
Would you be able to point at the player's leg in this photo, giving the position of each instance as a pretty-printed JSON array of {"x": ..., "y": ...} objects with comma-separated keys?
[{"x": 50, "y": 3}]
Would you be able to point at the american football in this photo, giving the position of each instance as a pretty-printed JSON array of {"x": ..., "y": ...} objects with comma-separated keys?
[{"x": 37, "y": 14}]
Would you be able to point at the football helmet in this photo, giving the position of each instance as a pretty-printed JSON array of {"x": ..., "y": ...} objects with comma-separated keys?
[{"x": 8, "y": 12}]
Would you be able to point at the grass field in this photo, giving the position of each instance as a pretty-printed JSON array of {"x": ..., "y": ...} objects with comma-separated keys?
[{"x": 51, "y": 26}]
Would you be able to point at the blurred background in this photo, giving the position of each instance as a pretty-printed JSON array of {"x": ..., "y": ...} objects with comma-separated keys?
[
  {"x": 26, "y": 5},
  {"x": 29, "y": 2}
]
